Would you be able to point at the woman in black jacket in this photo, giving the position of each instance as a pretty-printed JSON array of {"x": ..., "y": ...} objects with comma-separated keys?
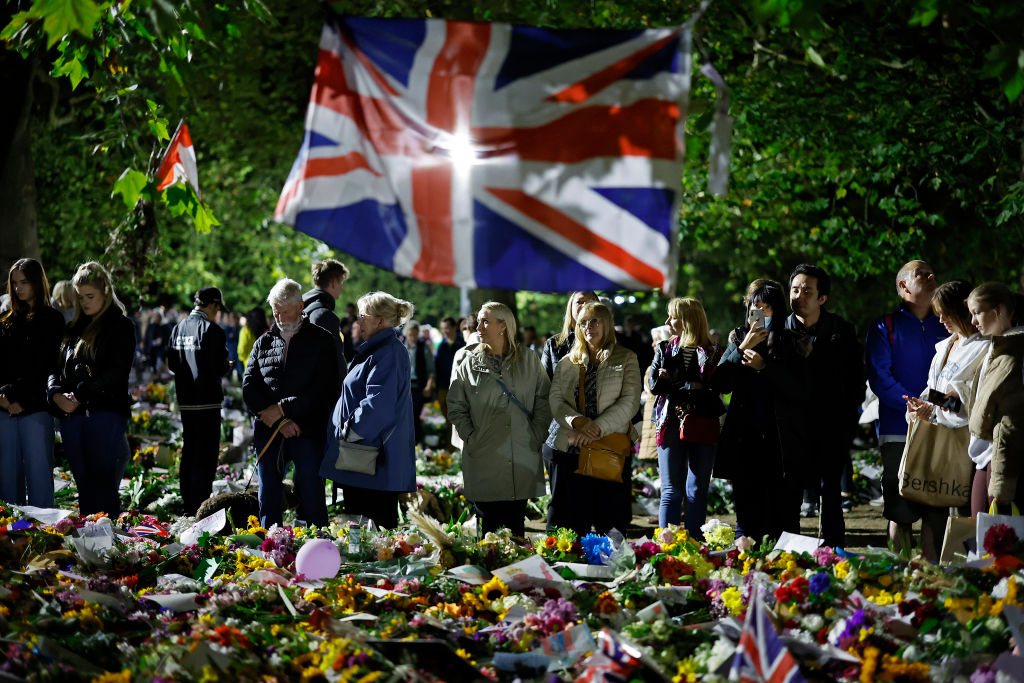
[
  {"x": 762, "y": 444},
  {"x": 30, "y": 333},
  {"x": 90, "y": 390},
  {"x": 684, "y": 379}
]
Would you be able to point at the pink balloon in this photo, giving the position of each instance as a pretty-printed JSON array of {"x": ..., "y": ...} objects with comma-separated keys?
[{"x": 318, "y": 559}]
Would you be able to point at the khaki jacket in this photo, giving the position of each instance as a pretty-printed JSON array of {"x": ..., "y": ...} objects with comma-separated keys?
[
  {"x": 649, "y": 430},
  {"x": 998, "y": 414},
  {"x": 618, "y": 395},
  {"x": 501, "y": 458}
]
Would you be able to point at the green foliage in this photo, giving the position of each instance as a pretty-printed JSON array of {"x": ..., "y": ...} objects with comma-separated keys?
[{"x": 866, "y": 134}]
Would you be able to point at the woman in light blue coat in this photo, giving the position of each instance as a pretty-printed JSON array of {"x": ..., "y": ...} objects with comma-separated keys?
[{"x": 375, "y": 408}]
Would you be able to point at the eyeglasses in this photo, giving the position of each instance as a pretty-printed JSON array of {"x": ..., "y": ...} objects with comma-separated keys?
[
  {"x": 366, "y": 315},
  {"x": 592, "y": 322}
]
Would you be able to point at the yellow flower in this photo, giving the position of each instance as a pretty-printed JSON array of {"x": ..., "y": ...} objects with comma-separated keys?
[
  {"x": 842, "y": 569},
  {"x": 687, "y": 671},
  {"x": 494, "y": 589},
  {"x": 465, "y": 655},
  {"x": 864, "y": 633},
  {"x": 564, "y": 545},
  {"x": 883, "y": 598},
  {"x": 732, "y": 598},
  {"x": 124, "y": 676}
]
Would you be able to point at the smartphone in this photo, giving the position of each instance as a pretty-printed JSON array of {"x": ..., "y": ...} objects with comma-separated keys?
[
  {"x": 951, "y": 403},
  {"x": 755, "y": 318}
]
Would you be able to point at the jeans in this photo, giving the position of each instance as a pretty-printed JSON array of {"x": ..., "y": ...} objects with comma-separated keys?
[
  {"x": 97, "y": 451},
  {"x": 306, "y": 455},
  {"x": 199, "y": 452},
  {"x": 684, "y": 466},
  {"x": 26, "y": 450}
]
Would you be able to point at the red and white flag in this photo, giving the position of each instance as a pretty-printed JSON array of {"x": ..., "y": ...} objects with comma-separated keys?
[{"x": 179, "y": 162}]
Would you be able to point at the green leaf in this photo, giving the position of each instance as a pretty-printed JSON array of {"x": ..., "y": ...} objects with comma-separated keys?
[
  {"x": 206, "y": 570},
  {"x": 1015, "y": 86},
  {"x": 130, "y": 186},
  {"x": 18, "y": 22},
  {"x": 62, "y": 17},
  {"x": 73, "y": 69},
  {"x": 204, "y": 218},
  {"x": 158, "y": 127},
  {"x": 815, "y": 58}
]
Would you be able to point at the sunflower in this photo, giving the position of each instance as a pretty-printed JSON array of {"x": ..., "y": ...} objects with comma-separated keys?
[{"x": 495, "y": 589}]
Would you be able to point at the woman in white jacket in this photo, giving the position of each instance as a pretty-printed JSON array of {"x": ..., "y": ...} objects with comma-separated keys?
[
  {"x": 953, "y": 375},
  {"x": 612, "y": 386}
]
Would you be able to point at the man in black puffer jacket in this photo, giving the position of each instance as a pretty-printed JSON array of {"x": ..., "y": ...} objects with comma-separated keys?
[
  {"x": 290, "y": 385},
  {"x": 198, "y": 358},
  {"x": 328, "y": 279}
]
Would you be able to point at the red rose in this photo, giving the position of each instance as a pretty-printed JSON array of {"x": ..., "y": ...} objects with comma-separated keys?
[{"x": 1000, "y": 540}]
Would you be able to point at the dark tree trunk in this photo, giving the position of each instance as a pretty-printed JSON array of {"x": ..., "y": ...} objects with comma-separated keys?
[{"x": 19, "y": 225}]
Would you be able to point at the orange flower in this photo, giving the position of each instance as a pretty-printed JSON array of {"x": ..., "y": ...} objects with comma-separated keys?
[
  {"x": 606, "y": 604},
  {"x": 550, "y": 542}
]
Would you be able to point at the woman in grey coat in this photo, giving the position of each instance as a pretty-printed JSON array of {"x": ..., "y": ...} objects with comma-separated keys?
[{"x": 498, "y": 403}]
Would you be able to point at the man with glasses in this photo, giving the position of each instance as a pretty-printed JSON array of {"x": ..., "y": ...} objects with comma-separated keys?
[
  {"x": 899, "y": 350},
  {"x": 198, "y": 357}
]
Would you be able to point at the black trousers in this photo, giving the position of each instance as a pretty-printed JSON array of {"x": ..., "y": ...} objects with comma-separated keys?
[
  {"x": 767, "y": 500},
  {"x": 579, "y": 502},
  {"x": 199, "y": 451},
  {"x": 418, "y": 401},
  {"x": 380, "y": 506},
  {"x": 498, "y": 514}
]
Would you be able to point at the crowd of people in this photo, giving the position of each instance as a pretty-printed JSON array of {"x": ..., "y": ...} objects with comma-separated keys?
[{"x": 773, "y": 408}]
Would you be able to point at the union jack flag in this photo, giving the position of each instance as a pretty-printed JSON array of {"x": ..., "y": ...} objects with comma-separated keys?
[
  {"x": 492, "y": 155},
  {"x": 149, "y": 530},
  {"x": 761, "y": 657}
]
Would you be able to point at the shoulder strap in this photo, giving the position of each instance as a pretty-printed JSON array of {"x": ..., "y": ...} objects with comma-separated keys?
[
  {"x": 511, "y": 397},
  {"x": 890, "y": 327},
  {"x": 581, "y": 403}
]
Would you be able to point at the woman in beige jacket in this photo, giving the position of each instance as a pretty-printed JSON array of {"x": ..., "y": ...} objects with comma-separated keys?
[
  {"x": 612, "y": 387},
  {"x": 498, "y": 404}
]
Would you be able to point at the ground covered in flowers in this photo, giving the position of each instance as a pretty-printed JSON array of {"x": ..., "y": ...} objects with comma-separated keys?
[{"x": 152, "y": 595}]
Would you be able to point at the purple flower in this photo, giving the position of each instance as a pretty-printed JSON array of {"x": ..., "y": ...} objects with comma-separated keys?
[{"x": 984, "y": 674}]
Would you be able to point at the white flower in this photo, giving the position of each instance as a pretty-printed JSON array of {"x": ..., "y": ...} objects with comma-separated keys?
[{"x": 813, "y": 622}]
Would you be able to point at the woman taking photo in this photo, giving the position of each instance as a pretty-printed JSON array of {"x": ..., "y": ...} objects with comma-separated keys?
[
  {"x": 498, "y": 403},
  {"x": 375, "y": 409},
  {"x": 998, "y": 411},
  {"x": 90, "y": 390},
  {"x": 611, "y": 396},
  {"x": 686, "y": 413},
  {"x": 761, "y": 447},
  {"x": 30, "y": 334},
  {"x": 556, "y": 348},
  {"x": 953, "y": 373}
]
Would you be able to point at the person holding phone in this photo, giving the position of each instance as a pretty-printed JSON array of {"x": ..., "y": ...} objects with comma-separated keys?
[
  {"x": 762, "y": 447},
  {"x": 949, "y": 394}
]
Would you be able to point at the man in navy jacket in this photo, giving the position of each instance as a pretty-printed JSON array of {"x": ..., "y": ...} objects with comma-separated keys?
[
  {"x": 899, "y": 350},
  {"x": 198, "y": 357}
]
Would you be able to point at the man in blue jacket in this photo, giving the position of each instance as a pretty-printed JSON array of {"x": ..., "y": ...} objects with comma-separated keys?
[
  {"x": 899, "y": 349},
  {"x": 198, "y": 357}
]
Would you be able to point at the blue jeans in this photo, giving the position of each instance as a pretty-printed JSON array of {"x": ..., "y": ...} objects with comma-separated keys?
[
  {"x": 26, "y": 449},
  {"x": 309, "y": 484},
  {"x": 97, "y": 451},
  {"x": 691, "y": 463}
]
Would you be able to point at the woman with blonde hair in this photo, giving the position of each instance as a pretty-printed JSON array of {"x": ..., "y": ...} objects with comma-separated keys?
[
  {"x": 375, "y": 409},
  {"x": 686, "y": 413},
  {"x": 30, "y": 334},
  {"x": 64, "y": 300},
  {"x": 556, "y": 348},
  {"x": 498, "y": 404},
  {"x": 90, "y": 390},
  {"x": 611, "y": 395},
  {"x": 998, "y": 412}
]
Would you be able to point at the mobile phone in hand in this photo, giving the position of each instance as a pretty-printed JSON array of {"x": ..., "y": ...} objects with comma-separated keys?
[
  {"x": 950, "y": 403},
  {"x": 755, "y": 318}
]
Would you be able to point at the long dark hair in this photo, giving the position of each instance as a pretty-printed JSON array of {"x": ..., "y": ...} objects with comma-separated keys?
[
  {"x": 36, "y": 276},
  {"x": 256, "y": 321}
]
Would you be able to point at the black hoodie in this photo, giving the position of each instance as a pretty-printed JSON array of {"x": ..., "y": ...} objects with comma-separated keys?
[{"x": 318, "y": 307}]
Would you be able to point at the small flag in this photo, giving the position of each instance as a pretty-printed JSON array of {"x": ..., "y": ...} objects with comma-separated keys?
[
  {"x": 179, "y": 162},
  {"x": 761, "y": 657},
  {"x": 20, "y": 525},
  {"x": 149, "y": 530}
]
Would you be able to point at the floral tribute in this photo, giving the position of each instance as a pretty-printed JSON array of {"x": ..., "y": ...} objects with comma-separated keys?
[{"x": 144, "y": 597}]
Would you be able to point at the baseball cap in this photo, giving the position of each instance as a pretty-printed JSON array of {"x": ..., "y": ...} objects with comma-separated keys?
[{"x": 209, "y": 295}]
